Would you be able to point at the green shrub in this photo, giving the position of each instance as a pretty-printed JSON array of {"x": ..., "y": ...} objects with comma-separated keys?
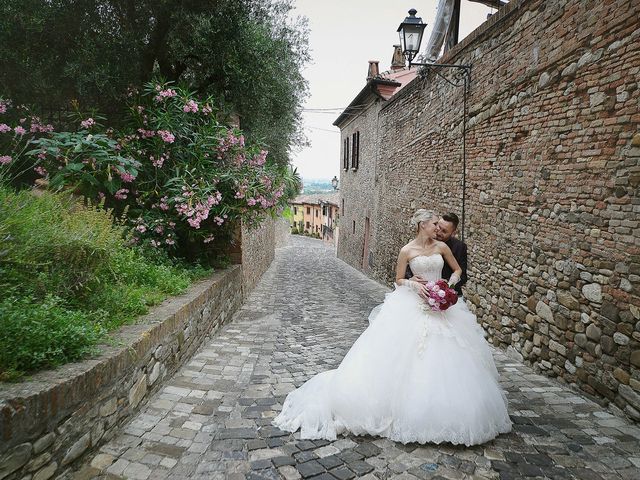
[
  {"x": 37, "y": 335},
  {"x": 67, "y": 276}
]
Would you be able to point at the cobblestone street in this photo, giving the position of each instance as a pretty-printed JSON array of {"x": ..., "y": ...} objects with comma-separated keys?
[{"x": 212, "y": 419}]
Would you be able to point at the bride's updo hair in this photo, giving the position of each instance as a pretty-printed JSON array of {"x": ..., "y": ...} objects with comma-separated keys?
[{"x": 421, "y": 215}]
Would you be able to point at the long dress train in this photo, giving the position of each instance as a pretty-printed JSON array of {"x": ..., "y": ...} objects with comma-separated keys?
[{"x": 412, "y": 376}]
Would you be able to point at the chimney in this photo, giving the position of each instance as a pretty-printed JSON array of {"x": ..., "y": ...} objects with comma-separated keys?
[
  {"x": 373, "y": 70},
  {"x": 397, "y": 62}
]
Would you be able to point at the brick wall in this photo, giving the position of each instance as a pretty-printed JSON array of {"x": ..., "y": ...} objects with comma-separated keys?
[{"x": 553, "y": 168}]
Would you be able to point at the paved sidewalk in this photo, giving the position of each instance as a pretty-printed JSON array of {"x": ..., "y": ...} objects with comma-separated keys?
[{"x": 212, "y": 419}]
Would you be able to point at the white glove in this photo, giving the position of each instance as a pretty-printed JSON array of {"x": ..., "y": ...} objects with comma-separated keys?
[{"x": 454, "y": 279}]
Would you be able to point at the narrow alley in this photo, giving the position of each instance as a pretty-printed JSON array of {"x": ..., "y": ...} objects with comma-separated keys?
[{"x": 212, "y": 419}]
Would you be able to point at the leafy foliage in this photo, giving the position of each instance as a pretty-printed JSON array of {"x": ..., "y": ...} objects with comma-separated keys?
[
  {"x": 246, "y": 53},
  {"x": 182, "y": 176},
  {"x": 67, "y": 276}
]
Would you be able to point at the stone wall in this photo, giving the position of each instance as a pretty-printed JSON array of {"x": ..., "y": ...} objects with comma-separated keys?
[
  {"x": 552, "y": 205},
  {"x": 282, "y": 232},
  {"x": 357, "y": 187},
  {"x": 53, "y": 418},
  {"x": 258, "y": 251}
]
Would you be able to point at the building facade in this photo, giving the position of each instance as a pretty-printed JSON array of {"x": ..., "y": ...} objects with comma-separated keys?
[
  {"x": 316, "y": 215},
  {"x": 359, "y": 156}
]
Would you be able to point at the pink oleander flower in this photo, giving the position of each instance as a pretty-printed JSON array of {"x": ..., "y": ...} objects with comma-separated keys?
[
  {"x": 164, "y": 206},
  {"x": 190, "y": 106},
  {"x": 141, "y": 228},
  {"x": 4, "y": 159},
  {"x": 218, "y": 220},
  {"x": 206, "y": 110},
  {"x": 88, "y": 123},
  {"x": 41, "y": 171},
  {"x": 259, "y": 159},
  {"x": 146, "y": 133},
  {"x": 19, "y": 130},
  {"x": 155, "y": 244},
  {"x": 121, "y": 194},
  {"x": 100, "y": 195},
  {"x": 166, "y": 136},
  {"x": 126, "y": 176},
  {"x": 208, "y": 239},
  {"x": 251, "y": 201},
  {"x": 170, "y": 241},
  {"x": 38, "y": 127},
  {"x": 42, "y": 155},
  {"x": 140, "y": 108},
  {"x": 4, "y": 128},
  {"x": 157, "y": 162},
  {"x": 4, "y": 104},
  {"x": 159, "y": 229},
  {"x": 162, "y": 94}
]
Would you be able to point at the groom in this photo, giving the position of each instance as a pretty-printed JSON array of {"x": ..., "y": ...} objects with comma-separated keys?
[{"x": 447, "y": 227}]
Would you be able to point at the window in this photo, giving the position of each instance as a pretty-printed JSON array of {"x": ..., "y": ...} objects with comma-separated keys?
[
  {"x": 342, "y": 207},
  {"x": 316, "y": 212},
  {"x": 324, "y": 211},
  {"x": 295, "y": 210},
  {"x": 308, "y": 225},
  {"x": 354, "y": 226},
  {"x": 355, "y": 155},
  {"x": 308, "y": 210},
  {"x": 345, "y": 154}
]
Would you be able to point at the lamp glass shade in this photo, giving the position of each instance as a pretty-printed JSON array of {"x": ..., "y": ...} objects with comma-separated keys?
[{"x": 411, "y": 31}]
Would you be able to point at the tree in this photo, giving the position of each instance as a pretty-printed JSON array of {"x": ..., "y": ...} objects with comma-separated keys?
[{"x": 247, "y": 53}]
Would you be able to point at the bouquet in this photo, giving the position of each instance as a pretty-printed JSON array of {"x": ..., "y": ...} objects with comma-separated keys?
[{"x": 441, "y": 296}]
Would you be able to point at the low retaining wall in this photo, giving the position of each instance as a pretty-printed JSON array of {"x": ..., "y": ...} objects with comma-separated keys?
[{"x": 51, "y": 420}]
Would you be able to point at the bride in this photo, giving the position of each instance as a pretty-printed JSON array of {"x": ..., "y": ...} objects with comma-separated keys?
[{"x": 414, "y": 375}]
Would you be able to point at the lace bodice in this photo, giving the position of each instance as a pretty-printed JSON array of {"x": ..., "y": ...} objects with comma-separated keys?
[{"x": 427, "y": 266}]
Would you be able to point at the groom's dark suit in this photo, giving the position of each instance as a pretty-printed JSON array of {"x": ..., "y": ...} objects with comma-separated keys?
[{"x": 459, "y": 250}]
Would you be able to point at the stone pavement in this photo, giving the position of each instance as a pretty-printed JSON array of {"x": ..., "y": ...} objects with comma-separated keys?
[{"x": 212, "y": 419}]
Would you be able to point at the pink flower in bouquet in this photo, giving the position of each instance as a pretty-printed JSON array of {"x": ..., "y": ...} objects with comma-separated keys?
[{"x": 440, "y": 296}]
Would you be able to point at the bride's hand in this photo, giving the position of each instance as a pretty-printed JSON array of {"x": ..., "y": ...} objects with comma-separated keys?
[{"x": 418, "y": 287}]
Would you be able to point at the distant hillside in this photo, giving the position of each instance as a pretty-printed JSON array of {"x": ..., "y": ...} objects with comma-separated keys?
[{"x": 316, "y": 186}]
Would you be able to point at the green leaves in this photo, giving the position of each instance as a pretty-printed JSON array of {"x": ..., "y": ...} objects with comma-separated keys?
[{"x": 246, "y": 53}]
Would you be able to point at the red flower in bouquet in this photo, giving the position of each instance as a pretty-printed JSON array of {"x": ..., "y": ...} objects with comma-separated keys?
[{"x": 440, "y": 296}]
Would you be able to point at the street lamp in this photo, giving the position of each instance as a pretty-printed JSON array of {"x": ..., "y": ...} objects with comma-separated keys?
[
  {"x": 334, "y": 182},
  {"x": 410, "y": 32}
]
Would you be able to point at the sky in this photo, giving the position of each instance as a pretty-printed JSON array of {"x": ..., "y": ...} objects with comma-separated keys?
[{"x": 344, "y": 36}]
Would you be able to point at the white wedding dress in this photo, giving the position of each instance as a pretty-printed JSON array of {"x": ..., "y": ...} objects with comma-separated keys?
[{"x": 412, "y": 376}]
